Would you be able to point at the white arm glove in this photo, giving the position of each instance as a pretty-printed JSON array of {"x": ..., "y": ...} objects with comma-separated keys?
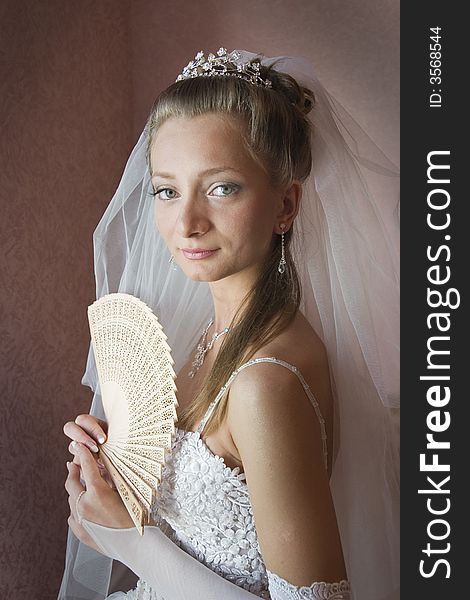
[{"x": 176, "y": 575}]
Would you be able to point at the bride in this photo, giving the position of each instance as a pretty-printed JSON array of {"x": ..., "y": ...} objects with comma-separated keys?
[{"x": 265, "y": 310}]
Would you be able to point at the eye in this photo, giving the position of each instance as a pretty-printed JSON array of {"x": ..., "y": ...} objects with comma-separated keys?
[
  {"x": 168, "y": 193},
  {"x": 225, "y": 189}
]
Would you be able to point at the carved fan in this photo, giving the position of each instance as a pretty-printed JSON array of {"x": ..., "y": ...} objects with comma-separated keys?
[{"x": 135, "y": 371}]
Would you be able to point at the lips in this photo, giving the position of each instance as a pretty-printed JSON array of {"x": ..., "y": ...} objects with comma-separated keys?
[{"x": 197, "y": 253}]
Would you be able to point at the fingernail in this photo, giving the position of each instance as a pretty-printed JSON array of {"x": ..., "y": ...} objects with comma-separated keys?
[
  {"x": 101, "y": 439},
  {"x": 93, "y": 447}
]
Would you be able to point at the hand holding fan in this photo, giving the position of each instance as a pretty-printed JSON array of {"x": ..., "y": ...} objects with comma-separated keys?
[{"x": 135, "y": 371}]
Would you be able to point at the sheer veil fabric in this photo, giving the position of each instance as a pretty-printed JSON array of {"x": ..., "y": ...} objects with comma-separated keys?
[{"x": 346, "y": 248}]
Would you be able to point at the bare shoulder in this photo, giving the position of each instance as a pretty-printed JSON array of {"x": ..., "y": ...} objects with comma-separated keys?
[
  {"x": 301, "y": 347},
  {"x": 277, "y": 434},
  {"x": 273, "y": 397}
]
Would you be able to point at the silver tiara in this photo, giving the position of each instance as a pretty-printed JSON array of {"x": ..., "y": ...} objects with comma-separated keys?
[{"x": 224, "y": 65}]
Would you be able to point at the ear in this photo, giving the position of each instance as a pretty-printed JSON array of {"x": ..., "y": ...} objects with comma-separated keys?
[{"x": 289, "y": 206}]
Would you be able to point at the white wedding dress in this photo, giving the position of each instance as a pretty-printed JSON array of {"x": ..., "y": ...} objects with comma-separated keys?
[{"x": 204, "y": 507}]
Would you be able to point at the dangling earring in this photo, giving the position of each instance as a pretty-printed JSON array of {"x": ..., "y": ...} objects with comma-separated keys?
[
  {"x": 282, "y": 263},
  {"x": 171, "y": 260}
]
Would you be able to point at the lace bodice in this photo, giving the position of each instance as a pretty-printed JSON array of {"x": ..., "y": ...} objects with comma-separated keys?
[{"x": 204, "y": 506}]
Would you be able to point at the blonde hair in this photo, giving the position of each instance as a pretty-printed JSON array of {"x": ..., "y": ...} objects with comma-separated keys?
[{"x": 276, "y": 132}]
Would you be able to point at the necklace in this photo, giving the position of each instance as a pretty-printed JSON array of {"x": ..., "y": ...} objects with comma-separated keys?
[{"x": 201, "y": 349}]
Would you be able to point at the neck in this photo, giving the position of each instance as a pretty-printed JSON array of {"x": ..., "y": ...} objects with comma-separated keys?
[{"x": 228, "y": 295}]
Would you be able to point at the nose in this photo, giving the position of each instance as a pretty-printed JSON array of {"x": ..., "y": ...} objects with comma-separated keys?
[{"x": 192, "y": 217}]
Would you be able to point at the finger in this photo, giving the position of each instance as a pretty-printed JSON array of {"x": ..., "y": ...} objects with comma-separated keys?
[
  {"x": 76, "y": 458},
  {"x": 75, "y": 432},
  {"x": 102, "y": 469},
  {"x": 72, "y": 448},
  {"x": 96, "y": 428},
  {"x": 73, "y": 484},
  {"x": 90, "y": 471},
  {"x": 109, "y": 480}
]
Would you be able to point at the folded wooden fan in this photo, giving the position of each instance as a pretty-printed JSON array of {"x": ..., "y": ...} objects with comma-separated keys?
[{"x": 135, "y": 371}]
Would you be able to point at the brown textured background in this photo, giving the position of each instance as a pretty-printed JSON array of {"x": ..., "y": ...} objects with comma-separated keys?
[{"x": 77, "y": 79}]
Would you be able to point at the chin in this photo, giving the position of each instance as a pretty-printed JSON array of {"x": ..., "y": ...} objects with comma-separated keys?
[{"x": 208, "y": 275}]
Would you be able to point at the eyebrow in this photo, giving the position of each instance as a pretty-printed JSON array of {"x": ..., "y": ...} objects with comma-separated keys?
[{"x": 212, "y": 171}]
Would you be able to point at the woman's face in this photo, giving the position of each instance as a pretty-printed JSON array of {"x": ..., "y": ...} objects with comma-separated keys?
[{"x": 211, "y": 195}]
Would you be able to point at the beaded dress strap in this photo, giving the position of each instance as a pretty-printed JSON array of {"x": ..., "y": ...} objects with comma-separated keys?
[{"x": 292, "y": 368}]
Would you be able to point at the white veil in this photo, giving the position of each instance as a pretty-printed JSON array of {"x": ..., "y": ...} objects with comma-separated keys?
[{"x": 345, "y": 245}]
